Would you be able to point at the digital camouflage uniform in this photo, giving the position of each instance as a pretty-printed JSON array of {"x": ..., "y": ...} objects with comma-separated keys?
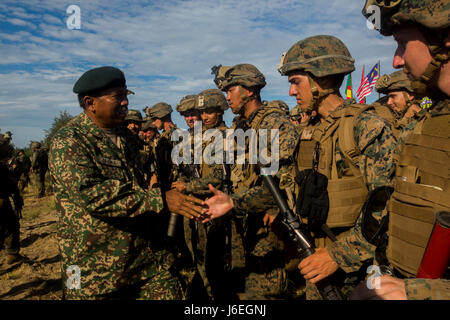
[
  {"x": 349, "y": 252},
  {"x": 109, "y": 221},
  {"x": 207, "y": 242},
  {"x": 361, "y": 147},
  {"x": 39, "y": 165},
  {"x": 166, "y": 170},
  {"x": 396, "y": 81},
  {"x": 265, "y": 274}
]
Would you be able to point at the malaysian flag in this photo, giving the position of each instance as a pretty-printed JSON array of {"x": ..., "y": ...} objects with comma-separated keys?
[{"x": 366, "y": 86}]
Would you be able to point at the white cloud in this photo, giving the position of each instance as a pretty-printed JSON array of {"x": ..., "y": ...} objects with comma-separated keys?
[{"x": 166, "y": 48}]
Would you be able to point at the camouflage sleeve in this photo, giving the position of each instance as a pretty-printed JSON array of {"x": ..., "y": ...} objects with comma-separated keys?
[
  {"x": 377, "y": 143},
  {"x": 406, "y": 132},
  {"x": 427, "y": 289},
  {"x": 258, "y": 199},
  {"x": 78, "y": 177},
  {"x": 350, "y": 251},
  {"x": 200, "y": 186}
]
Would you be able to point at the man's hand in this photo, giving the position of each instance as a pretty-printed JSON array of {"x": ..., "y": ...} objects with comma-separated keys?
[
  {"x": 268, "y": 219},
  {"x": 153, "y": 180},
  {"x": 317, "y": 266},
  {"x": 187, "y": 206},
  {"x": 386, "y": 288},
  {"x": 178, "y": 185},
  {"x": 218, "y": 205}
]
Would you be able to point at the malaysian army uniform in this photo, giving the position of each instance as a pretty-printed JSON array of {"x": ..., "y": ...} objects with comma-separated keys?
[
  {"x": 11, "y": 203},
  {"x": 352, "y": 146},
  {"x": 109, "y": 226},
  {"x": 419, "y": 191},
  {"x": 265, "y": 274},
  {"x": 39, "y": 167}
]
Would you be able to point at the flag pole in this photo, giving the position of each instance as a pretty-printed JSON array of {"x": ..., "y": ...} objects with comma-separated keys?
[{"x": 379, "y": 72}]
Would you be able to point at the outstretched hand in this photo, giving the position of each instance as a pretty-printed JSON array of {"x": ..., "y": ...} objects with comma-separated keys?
[
  {"x": 188, "y": 206},
  {"x": 218, "y": 205}
]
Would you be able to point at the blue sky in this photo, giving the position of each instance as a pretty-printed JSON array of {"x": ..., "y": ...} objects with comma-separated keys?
[{"x": 165, "y": 48}]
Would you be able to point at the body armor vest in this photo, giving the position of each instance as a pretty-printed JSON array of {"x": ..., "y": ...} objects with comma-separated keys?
[
  {"x": 421, "y": 189},
  {"x": 348, "y": 192},
  {"x": 247, "y": 174}
]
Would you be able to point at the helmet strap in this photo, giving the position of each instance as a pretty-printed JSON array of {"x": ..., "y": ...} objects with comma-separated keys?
[
  {"x": 427, "y": 82},
  {"x": 317, "y": 96}
]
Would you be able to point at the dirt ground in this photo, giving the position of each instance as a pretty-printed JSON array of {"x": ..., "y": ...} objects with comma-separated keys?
[{"x": 39, "y": 276}]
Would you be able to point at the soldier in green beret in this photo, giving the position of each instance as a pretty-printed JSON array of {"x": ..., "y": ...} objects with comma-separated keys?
[{"x": 111, "y": 225}]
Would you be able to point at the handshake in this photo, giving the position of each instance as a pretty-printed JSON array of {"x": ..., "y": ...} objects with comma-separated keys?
[{"x": 194, "y": 208}]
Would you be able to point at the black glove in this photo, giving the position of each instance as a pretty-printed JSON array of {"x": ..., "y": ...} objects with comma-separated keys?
[{"x": 312, "y": 200}]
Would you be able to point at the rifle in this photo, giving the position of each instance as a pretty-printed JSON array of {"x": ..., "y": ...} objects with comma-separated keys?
[{"x": 297, "y": 232}]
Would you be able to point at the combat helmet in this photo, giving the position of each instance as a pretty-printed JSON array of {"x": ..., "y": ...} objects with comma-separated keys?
[
  {"x": 431, "y": 16},
  {"x": 242, "y": 75},
  {"x": 319, "y": 56},
  {"x": 134, "y": 115},
  {"x": 6, "y": 149},
  {"x": 35, "y": 144},
  {"x": 396, "y": 81},
  {"x": 295, "y": 113},
  {"x": 186, "y": 103},
  {"x": 211, "y": 98},
  {"x": 280, "y": 104}
]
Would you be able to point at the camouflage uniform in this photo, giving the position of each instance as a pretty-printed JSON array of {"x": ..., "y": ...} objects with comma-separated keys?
[
  {"x": 372, "y": 154},
  {"x": 109, "y": 226},
  {"x": 396, "y": 81},
  {"x": 9, "y": 211},
  {"x": 39, "y": 165},
  {"x": 22, "y": 169},
  {"x": 349, "y": 252},
  {"x": 166, "y": 170},
  {"x": 265, "y": 274},
  {"x": 207, "y": 242}
]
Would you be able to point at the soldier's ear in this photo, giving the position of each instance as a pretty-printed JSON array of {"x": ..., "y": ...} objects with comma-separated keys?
[
  {"x": 89, "y": 103},
  {"x": 447, "y": 39}
]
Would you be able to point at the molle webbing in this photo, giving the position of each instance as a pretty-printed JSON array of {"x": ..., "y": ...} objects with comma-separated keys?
[
  {"x": 421, "y": 189},
  {"x": 348, "y": 193},
  {"x": 250, "y": 174}
]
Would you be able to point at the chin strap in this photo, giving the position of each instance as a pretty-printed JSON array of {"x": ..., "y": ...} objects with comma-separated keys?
[
  {"x": 244, "y": 98},
  {"x": 317, "y": 98},
  {"x": 428, "y": 80}
]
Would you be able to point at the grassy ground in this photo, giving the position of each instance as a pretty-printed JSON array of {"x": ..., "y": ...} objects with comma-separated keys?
[{"x": 38, "y": 276}]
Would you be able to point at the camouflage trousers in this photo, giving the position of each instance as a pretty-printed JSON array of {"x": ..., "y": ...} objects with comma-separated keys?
[
  {"x": 9, "y": 227},
  {"x": 163, "y": 286},
  {"x": 23, "y": 182},
  {"x": 38, "y": 179},
  {"x": 266, "y": 277},
  {"x": 346, "y": 282}
]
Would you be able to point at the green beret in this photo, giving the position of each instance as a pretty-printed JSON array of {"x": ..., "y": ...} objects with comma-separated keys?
[
  {"x": 134, "y": 115},
  {"x": 159, "y": 110},
  {"x": 99, "y": 79}
]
